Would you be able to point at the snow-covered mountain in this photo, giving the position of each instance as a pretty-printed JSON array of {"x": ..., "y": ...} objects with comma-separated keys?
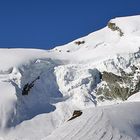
[{"x": 87, "y": 89}]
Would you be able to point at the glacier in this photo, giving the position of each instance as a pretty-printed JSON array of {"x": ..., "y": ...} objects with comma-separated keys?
[{"x": 40, "y": 89}]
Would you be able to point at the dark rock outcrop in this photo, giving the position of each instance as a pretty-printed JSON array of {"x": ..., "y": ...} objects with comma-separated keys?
[
  {"x": 79, "y": 42},
  {"x": 27, "y": 87},
  {"x": 118, "y": 87},
  {"x": 111, "y": 78},
  {"x": 76, "y": 114},
  {"x": 114, "y": 27}
]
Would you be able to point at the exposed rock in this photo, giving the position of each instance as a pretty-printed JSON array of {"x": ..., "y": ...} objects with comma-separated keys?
[
  {"x": 111, "y": 78},
  {"x": 118, "y": 87},
  {"x": 114, "y": 27},
  {"x": 133, "y": 68},
  {"x": 76, "y": 114},
  {"x": 27, "y": 87},
  {"x": 79, "y": 42}
]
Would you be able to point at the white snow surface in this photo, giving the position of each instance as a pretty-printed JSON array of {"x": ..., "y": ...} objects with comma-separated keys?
[
  {"x": 116, "y": 122},
  {"x": 134, "y": 98},
  {"x": 64, "y": 80}
]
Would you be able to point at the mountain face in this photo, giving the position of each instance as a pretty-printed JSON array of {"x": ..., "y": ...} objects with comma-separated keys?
[{"x": 87, "y": 89}]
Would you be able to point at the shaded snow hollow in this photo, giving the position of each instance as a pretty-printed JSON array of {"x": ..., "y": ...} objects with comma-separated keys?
[{"x": 64, "y": 80}]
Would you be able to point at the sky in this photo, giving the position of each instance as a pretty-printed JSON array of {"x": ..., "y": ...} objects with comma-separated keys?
[{"x": 48, "y": 23}]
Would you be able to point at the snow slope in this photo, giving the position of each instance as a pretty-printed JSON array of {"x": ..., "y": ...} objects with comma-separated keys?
[
  {"x": 64, "y": 79},
  {"x": 102, "y": 123},
  {"x": 134, "y": 98}
]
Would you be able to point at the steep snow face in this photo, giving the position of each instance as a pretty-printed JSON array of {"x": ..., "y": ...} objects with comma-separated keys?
[
  {"x": 41, "y": 89},
  {"x": 56, "y": 92},
  {"x": 7, "y": 104},
  {"x": 53, "y": 84},
  {"x": 78, "y": 83}
]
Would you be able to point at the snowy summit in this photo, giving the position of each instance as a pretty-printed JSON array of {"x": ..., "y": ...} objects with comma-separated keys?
[{"x": 84, "y": 90}]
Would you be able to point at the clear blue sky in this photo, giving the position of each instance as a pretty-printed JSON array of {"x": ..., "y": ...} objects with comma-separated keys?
[{"x": 49, "y": 23}]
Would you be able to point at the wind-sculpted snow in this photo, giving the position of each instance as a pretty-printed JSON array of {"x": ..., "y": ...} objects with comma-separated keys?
[
  {"x": 118, "y": 122},
  {"x": 40, "y": 90}
]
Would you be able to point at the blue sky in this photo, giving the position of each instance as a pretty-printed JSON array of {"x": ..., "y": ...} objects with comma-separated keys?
[{"x": 49, "y": 23}]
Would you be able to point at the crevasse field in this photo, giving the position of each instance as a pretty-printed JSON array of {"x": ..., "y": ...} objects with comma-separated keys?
[{"x": 40, "y": 89}]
